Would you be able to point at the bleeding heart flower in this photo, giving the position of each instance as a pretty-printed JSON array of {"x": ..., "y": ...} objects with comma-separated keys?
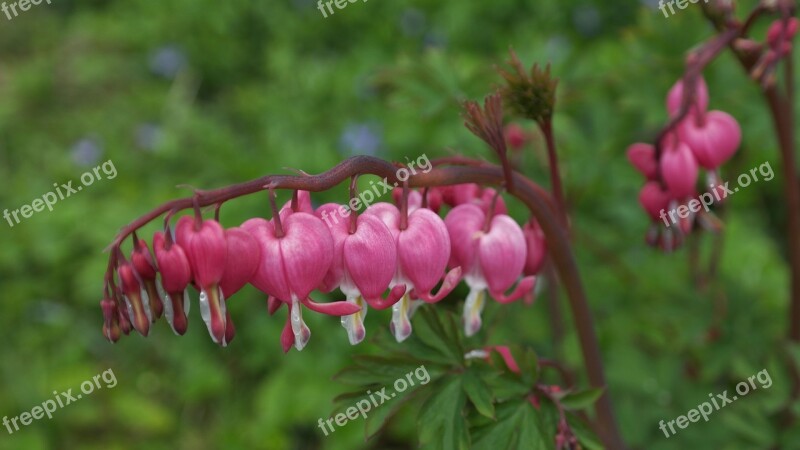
[
  {"x": 675, "y": 96},
  {"x": 491, "y": 259},
  {"x": 135, "y": 296},
  {"x": 423, "y": 250},
  {"x": 536, "y": 247},
  {"x": 364, "y": 263},
  {"x": 713, "y": 139},
  {"x": 294, "y": 261},
  {"x": 244, "y": 256},
  {"x": 653, "y": 199},
  {"x": 207, "y": 251},
  {"x": 111, "y": 329},
  {"x": 142, "y": 261},
  {"x": 303, "y": 204},
  {"x": 679, "y": 170},
  {"x": 643, "y": 157},
  {"x": 489, "y": 196},
  {"x": 176, "y": 274},
  {"x": 460, "y": 193}
]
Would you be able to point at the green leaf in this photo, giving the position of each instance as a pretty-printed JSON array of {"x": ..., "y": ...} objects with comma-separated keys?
[
  {"x": 376, "y": 370},
  {"x": 437, "y": 333},
  {"x": 519, "y": 427},
  {"x": 442, "y": 425},
  {"x": 478, "y": 393},
  {"x": 581, "y": 399},
  {"x": 585, "y": 435}
]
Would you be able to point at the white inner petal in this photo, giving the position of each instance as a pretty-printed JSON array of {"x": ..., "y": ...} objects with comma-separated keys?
[
  {"x": 168, "y": 312},
  {"x": 301, "y": 331},
  {"x": 473, "y": 307},
  {"x": 146, "y": 304},
  {"x": 354, "y": 323},
  {"x": 401, "y": 325}
]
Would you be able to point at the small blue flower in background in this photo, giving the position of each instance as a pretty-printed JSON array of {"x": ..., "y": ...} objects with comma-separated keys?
[
  {"x": 361, "y": 139},
  {"x": 86, "y": 152},
  {"x": 412, "y": 22},
  {"x": 147, "y": 136},
  {"x": 587, "y": 20},
  {"x": 434, "y": 40},
  {"x": 167, "y": 61}
]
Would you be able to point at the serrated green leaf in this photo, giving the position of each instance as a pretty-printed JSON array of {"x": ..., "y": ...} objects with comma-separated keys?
[
  {"x": 377, "y": 419},
  {"x": 581, "y": 399},
  {"x": 442, "y": 425},
  {"x": 479, "y": 393},
  {"x": 585, "y": 435},
  {"x": 532, "y": 362},
  {"x": 430, "y": 329},
  {"x": 519, "y": 427},
  {"x": 506, "y": 386}
]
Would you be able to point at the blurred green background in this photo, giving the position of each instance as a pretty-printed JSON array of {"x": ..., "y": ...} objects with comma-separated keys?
[{"x": 208, "y": 93}]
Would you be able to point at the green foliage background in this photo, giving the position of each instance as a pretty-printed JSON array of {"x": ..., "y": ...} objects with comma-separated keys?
[{"x": 266, "y": 86}]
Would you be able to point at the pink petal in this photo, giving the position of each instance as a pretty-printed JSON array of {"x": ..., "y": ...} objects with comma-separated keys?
[
  {"x": 464, "y": 223},
  {"x": 679, "y": 170},
  {"x": 244, "y": 257},
  {"x": 342, "y": 308},
  {"x": 653, "y": 199},
  {"x": 339, "y": 229},
  {"x": 676, "y": 93},
  {"x": 524, "y": 287},
  {"x": 502, "y": 253},
  {"x": 205, "y": 247},
  {"x": 423, "y": 249},
  {"x": 306, "y": 252},
  {"x": 269, "y": 277},
  {"x": 370, "y": 256},
  {"x": 173, "y": 265},
  {"x": 715, "y": 141},
  {"x": 642, "y": 157}
]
